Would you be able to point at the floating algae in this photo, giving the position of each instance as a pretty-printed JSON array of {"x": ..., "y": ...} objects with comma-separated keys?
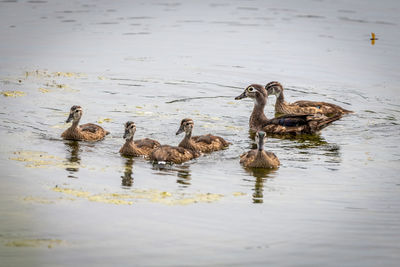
[
  {"x": 34, "y": 243},
  {"x": 102, "y": 120},
  {"x": 38, "y": 200},
  {"x": 152, "y": 195},
  {"x": 12, "y": 93},
  {"x": 40, "y": 159},
  {"x": 238, "y": 194}
]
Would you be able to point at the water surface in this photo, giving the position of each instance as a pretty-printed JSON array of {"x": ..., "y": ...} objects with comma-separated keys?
[{"x": 334, "y": 200}]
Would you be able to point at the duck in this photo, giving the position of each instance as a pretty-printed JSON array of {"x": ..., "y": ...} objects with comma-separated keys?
[
  {"x": 142, "y": 147},
  {"x": 84, "y": 132},
  {"x": 303, "y": 106},
  {"x": 173, "y": 154},
  {"x": 203, "y": 143},
  {"x": 285, "y": 124},
  {"x": 259, "y": 158}
]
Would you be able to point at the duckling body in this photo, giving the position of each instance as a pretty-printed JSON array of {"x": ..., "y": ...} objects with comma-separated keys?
[
  {"x": 259, "y": 158},
  {"x": 303, "y": 106},
  {"x": 135, "y": 148},
  {"x": 85, "y": 132},
  {"x": 173, "y": 154},
  {"x": 203, "y": 143},
  {"x": 286, "y": 124}
]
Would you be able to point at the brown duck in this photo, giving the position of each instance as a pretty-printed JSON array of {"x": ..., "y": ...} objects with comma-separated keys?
[
  {"x": 173, "y": 154},
  {"x": 203, "y": 143},
  {"x": 259, "y": 158},
  {"x": 286, "y": 124},
  {"x": 142, "y": 147},
  {"x": 303, "y": 106},
  {"x": 86, "y": 132}
]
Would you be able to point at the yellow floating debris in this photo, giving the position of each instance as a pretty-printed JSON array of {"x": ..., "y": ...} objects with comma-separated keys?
[
  {"x": 151, "y": 195},
  {"x": 101, "y": 120},
  {"x": 35, "y": 243},
  {"x": 44, "y": 90},
  {"x": 38, "y": 200},
  {"x": 12, "y": 93}
]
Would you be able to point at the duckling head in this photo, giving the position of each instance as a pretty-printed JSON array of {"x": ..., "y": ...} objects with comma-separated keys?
[
  {"x": 253, "y": 91},
  {"x": 75, "y": 114},
  {"x": 186, "y": 126},
  {"x": 260, "y": 140},
  {"x": 274, "y": 88},
  {"x": 130, "y": 129}
]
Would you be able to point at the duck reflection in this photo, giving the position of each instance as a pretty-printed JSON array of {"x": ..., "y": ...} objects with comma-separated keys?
[
  {"x": 182, "y": 171},
  {"x": 127, "y": 179},
  {"x": 73, "y": 158},
  {"x": 261, "y": 176},
  {"x": 184, "y": 176}
]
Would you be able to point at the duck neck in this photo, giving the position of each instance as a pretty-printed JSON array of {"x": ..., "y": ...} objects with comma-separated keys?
[
  {"x": 280, "y": 104},
  {"x": 75, "y": 124},
  {"x": 187, "y": 141},
  {"x": 258, "y": 118}
]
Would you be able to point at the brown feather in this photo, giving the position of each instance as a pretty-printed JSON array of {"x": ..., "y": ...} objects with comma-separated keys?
[
  {"x": 142, "y": 147},
  {"x": 173, "y": 154},
  {"x": 259, "y": 159}
]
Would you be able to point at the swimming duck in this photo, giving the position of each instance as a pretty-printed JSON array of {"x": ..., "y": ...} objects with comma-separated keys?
[
  {"x": 203, "y": 143},
  {"x": 86, "y": 132},
  {"x": 301, "y": 107},
  {"x": 286, "y": 124},
  {"x": 142, "y": 147},
  {"x": 173, "y": 154},
  {"x": 259, "y": 158}
]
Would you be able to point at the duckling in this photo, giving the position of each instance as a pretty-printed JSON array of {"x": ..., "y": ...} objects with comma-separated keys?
[
  {"x": 142, "y": 147},
  {"x": 301, "y": 107},
  {"x": 173, "y": 154},
  {"x": 259, "y": 158},
  {"x": 203, "y": 143},
  {"x": 86, "y": 132},
  {"x": 286, "y": 124}
]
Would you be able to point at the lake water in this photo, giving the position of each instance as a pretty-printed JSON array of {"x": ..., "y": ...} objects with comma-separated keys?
[{"x": 335, "y": 200}]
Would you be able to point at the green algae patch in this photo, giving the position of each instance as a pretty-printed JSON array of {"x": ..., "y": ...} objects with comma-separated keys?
[
  {"x": 150, "y": 195},
  {"x": 39, "y": 200},
  {"x": 13, "y": 93},
  {"x": 40, "y": 159},
  {"x": 73, "y": 192},
  {"x": 238, "y": 194},
  {"x": 102, "y": 120},
  {"x": 35, "y": 243}
]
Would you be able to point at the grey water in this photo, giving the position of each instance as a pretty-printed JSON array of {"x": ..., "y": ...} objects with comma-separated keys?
[{"x": 334, "y": 201}]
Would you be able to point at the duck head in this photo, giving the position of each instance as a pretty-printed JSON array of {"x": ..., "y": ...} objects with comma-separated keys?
[
  {"x": 255, "y": 91},
  {"x": 186, "y": 126},
  {"x": 260, "y": 140},
  {"x": 130, "y": 129},
  {"x": 75, "y": 114},
  {"x": 274, "y": 88}
]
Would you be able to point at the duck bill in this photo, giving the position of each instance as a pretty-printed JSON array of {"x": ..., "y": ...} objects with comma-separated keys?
[
  {"x": 70, "y": 118},
  {"x": 180, "y": 130},
  {"x": 126, "y": 134},
  {"x": 243, "y": 95}
]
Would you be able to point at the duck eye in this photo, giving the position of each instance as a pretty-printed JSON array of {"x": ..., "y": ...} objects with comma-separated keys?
[
  {"x": 76, "y": 110},
  {"x": 251, "y": 89}
]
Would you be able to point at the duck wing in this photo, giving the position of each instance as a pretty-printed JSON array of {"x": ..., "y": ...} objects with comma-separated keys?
[
  {"x": 146, "y": 142},
  {"x": 90, "y": 127}
]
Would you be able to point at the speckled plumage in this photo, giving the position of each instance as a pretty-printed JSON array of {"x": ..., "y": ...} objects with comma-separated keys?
[
  {"x": 202, "y": 143},
  {"x": 259, "y": 158},
  {"x": 173, "y": 154},
  {"x": 286, "y": 124},
  {"x": 85, "y": 132},
  {"x": 135, "y": 148},
  {"x": 303, "y": 106}
]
